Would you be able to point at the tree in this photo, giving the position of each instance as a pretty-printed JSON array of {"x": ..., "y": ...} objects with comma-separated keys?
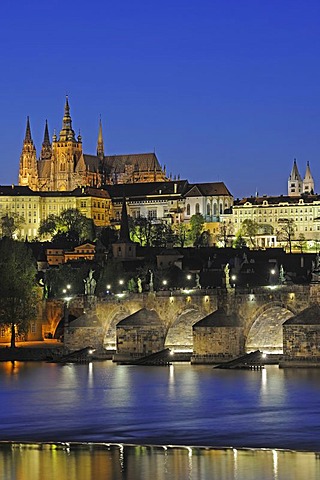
[
  {"x": 10, "y": 225},
  {"x": 18, "y": 290},
  {"x": 249, "y": 228},
  {"x": 196, "y": 227},
  {"x": 161, "y": 234},
  {"x": 141, "y": 230},
  {"x": 239, "y": 241},
  {"x": 180, "y": 232},
  {"x": 286, "y": 231},
  {"x": 224, "y": 234},
  {"x": 70, "y": 225}
]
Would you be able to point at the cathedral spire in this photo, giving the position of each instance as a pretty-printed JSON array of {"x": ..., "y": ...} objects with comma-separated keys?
[
  {"x": 46, "y": 150},
  {"x": 28, "y": 138},
  {"x": 66, "y": 133},
  {"x": 46, "y": 139},
  {"x": 100, "y": 145}
]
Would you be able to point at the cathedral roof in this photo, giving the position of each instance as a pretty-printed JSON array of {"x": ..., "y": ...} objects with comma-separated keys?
[{"x": 117, "y": 163}]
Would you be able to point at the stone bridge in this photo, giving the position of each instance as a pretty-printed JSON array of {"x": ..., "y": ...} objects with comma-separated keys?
[{"x": 261, "y": 310}]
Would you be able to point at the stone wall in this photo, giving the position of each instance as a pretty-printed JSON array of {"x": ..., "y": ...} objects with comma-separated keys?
[
  {"x": 142, "y": 340},
  {"x": 216, "y": 344},
  {"x": 78, "y": 338},
  {"x": 301, "y": 343}
]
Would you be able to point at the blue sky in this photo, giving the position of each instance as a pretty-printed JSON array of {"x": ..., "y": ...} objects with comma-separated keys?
[{"x": 223, "y": 90}]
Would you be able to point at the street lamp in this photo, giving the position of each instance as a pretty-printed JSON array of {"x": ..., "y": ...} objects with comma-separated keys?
[
  {"x": 233, "y": 278},
  {"x": 164, "y": 283},
  {"x": 67, "y": 297}
]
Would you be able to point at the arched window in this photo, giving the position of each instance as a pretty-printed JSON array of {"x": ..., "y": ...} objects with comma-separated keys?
[
  {"x": 188, "y": 209},
  {"x": 221, "y": 209},
  {"x": 62, "y": 167},
  {"x": 197, "y": 208},
  {"x": 208, "y": 208},
  {"x": 215, "y": 209}
]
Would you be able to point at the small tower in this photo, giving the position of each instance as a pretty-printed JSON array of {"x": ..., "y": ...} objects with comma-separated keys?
[
  {"x": 28, "y": 169},
  {"x": 308, "y": 182},
  {"x": 100, "y": 145},
  {"x": 295, "y": 181},
  {"x": 124, "y": 248},
  {"x": 46, "y": 150}
]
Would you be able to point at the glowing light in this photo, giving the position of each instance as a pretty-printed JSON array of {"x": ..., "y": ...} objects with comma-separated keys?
[
  {"x": 121, "y": 282},
  {"x": 164, "y": 282},
  {"x": 120, "y": 295},
  {"x": 264, "y": 355},
  {"x": 108, "y": 287},
  {"x": 189, "y": 276},
  {"x": 272, "y": 271}
]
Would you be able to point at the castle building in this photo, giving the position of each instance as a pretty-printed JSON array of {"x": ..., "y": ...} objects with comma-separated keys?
[
  {"x": 270, "y": 214},
  {"x": 31, "y": 207},
  {"x": 297, "y": 186},
  {"x": 63, "y": 166}
]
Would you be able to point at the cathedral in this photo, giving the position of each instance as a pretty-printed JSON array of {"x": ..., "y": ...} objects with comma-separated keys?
[{"x": 63, "y": 166}]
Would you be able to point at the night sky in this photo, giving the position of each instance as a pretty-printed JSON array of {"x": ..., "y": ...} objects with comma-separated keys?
[{"x": 222, "y": 90}]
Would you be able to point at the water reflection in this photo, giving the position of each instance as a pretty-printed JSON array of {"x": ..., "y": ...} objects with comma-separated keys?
[{"x": 128, "y": 462}]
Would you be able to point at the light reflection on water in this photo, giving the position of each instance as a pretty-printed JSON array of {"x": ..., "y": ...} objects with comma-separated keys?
[
  {"x": 129, "y": 462},
  {"x": 176, "y": 405}
]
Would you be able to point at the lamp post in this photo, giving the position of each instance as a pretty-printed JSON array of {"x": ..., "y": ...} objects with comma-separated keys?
[
  {"x": 67, "y": 297},
  {"x": 233, "y": 278},
  {"x": 164, "y": 283}
]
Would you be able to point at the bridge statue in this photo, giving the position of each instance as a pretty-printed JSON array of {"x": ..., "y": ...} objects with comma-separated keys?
[
  {"x": 227, "y": 275},
  {"x": 139, "y": 285},
  {"x": 151, "y": 281},
  {"x": 315, "y": 270},
  {"x": 89, "y": 283}
]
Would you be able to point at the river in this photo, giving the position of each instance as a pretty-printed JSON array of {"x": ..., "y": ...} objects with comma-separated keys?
[{"x": 113, "y": 416}]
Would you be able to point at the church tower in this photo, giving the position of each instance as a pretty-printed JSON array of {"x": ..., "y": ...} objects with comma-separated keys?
[
  {"x": 28, "y": 169},
  {"x": 46, "y": 150},
  {"x": 67, "y": 166},
  {"x": 295, "y": 181},
  {"x": 308, "y": 182}
]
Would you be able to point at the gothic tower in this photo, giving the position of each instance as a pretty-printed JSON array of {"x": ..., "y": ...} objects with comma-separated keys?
[
  {"x": 295, "y": 181},
  {"x": 308, "y": 182},
  {"x": 67, "y": 166},
  {"x": 28, "y": 171},
  {"x": 46, "y": 150}
]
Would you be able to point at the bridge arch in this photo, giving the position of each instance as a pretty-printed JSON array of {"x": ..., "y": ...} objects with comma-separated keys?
[
  {"x": 179, "y": 337},
  {"x": 109, "y": 340},
  {"x": 265, "y": 328}
]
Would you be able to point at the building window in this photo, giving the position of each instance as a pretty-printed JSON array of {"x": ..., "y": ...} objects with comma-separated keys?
[
  {"x": 197, "y": 208},
  {"x": 208, "y": 208},
  {"x": 188, "y": 209},
  {"x": 152, "y": 214}
]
